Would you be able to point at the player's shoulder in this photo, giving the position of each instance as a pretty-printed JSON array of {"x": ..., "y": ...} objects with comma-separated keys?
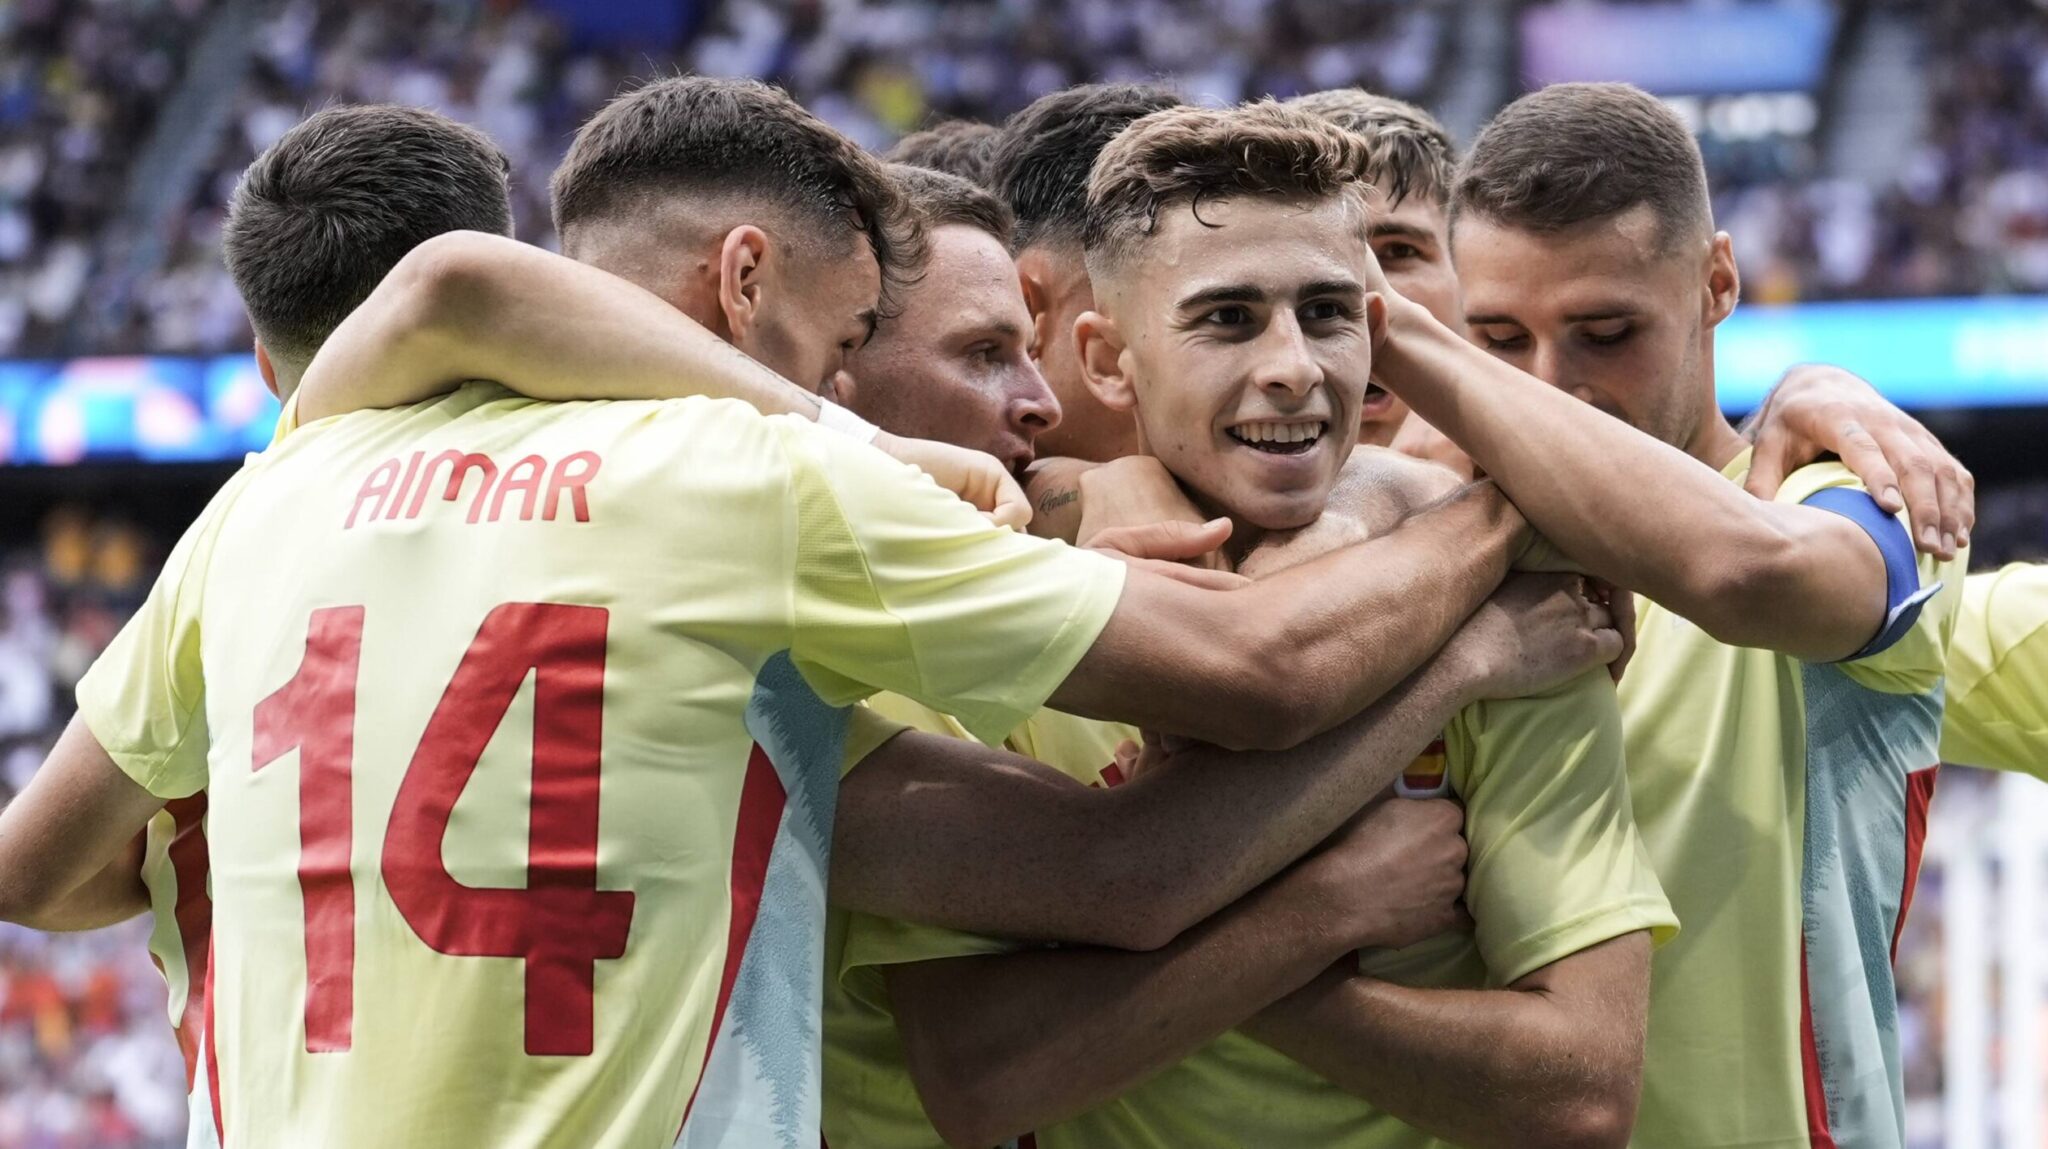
[{"x": 1810, "y": 480}]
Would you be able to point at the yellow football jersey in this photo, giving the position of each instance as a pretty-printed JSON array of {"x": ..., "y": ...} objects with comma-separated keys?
[
  {"x": 1783, "y": 804},
  {"x": 1997, "y": 715},
  {"x": 520, "y": 727}
]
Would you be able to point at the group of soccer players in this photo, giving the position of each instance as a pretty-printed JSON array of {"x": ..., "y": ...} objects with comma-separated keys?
[{"x": 617, "y": 712}]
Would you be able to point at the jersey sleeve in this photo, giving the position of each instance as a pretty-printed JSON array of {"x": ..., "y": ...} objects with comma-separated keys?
[
  {"x": 1556, "y": 864},
  {"x": 1915, "y": 659},
  {"x": 901, "y": 586},
  {"x": 144, "y": 698},
  {"x": 1997, "y": 714}
]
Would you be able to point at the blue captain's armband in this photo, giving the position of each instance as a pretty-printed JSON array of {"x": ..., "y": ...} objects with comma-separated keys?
[{"x": 1903, "y": 594}]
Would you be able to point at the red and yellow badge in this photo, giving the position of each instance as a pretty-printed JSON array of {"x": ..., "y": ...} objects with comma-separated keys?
[{"x": 1428, "y": 776}]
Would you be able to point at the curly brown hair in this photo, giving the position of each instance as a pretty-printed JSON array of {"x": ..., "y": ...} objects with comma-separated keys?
[{"x": 1188, "y": 154}]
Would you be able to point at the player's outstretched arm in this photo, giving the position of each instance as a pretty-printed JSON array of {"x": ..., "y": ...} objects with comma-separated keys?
[
  {"x": 67, "y": 844},
  {"x": 1640, "y": 513},
  {"x": 1275, "y": 663},
  {"x": 1001, "y": 1044},
  {"x": 466, "y": 305},
  {"x": 949, "y": 833},
  {"x": 1556, "y": 1059},
  {"x": 1817, "y": 409}
]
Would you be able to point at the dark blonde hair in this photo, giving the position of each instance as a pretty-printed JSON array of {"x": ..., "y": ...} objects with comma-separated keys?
[
  {"x": 1408, "y": 151},
  {"x": 1188, "y": 154},
  {"x": 956, "y": 147},
  {"x": 1572, "y": 153}
]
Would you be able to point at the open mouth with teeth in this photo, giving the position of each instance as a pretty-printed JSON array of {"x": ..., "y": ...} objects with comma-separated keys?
[{"x": 1280, "y": 438}]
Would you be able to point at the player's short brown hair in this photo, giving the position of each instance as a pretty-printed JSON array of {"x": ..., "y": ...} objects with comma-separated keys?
[
  {"x": 1187, "y": 154},
  {"x": 708, "y": 136},
  {"x": 956, "y": 147},
  {"x": 325, "y": 212},
  {"x": 1040, "y": 162},
  {"x": 1408, "y": 152},
  {"x": 941, "y": 198},
  {"x": 1572, "y": 153}
]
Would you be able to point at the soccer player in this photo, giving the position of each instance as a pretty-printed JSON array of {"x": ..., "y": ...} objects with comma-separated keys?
[
  {"x": 1246, "y": 322},
  {"x": 954, "y": 362},
  {"x": 1783, "y": 706},
  {"x": 1039, "y": 165},
  {"x": 708, "y": 556},
  {"x": 956, "y": 147},
  {"x": 891, "y": 842},
  {"x": 1409, "y": 162}
]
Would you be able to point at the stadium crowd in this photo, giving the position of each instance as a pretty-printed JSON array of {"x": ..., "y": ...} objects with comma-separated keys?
[{"x": 1966, "y": 213}]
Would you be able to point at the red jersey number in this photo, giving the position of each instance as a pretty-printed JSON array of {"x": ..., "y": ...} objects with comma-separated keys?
[{"x": 559, "y": 923}]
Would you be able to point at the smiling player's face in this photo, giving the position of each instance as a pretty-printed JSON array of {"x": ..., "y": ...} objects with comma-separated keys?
[{"x": 1247, "y": 345}]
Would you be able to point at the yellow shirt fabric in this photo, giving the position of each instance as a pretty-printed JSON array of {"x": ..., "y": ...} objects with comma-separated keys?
[
  {"x": 1556, "y": 867},
  {"x": 558, "y": 714},
  {"x": 1997, "y": 714},
  {"x": 1777, "y": 801}
]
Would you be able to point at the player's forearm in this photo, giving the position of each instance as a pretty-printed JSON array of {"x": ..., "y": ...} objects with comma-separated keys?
[
  {"x": 109, "y": 897},
  {"x": 469, "y": 306},
  {"x": 1345, "y": 629},
  {"x": 1004, "y": 1044},
  {"x": 1635, "y": 511},
  {"x": 76, "y": 818},
  {"x": 1515, "y": 1068},
  {"x": 950, "y": 834},
  {"x": 1174, "y": 849}
]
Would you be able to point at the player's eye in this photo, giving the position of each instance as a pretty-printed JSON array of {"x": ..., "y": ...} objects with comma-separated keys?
[
  {"x": 1229, "y": 315},
  {"x": 1394, "y": 252},
  {"x": 1325, "y": 311},
  {"x": 1605, "y": 334},
  {"x": 1504, "y": 338}
]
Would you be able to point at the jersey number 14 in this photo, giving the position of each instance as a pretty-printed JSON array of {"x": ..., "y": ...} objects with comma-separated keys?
[{"x": 560, "y": 924}]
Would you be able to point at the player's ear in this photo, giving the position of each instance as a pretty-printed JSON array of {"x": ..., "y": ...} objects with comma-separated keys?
[
  {"x": 1102, "y": 361},
  {"x": 267, "y": 369},
  {"x": 1724, "y": 283},
  {"x": 1032, "y": 271},
  {"x": 740, "y": 272}
]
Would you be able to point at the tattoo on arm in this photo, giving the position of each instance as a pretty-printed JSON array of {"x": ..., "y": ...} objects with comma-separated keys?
[{"x": 1053, "y": 500}]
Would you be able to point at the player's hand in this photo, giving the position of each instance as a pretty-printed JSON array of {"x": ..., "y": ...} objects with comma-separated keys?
[
  {"x": 1138, "y": 491},
  {"x": 1138, "y": 756},
  {"x": 1536, "y": 632},
  {"x": 1165, "y": 548},
  {"x": 1395, "y": 874},
  {"x": 1817, "y": 409},
  {"x": 972, "y": 475}
]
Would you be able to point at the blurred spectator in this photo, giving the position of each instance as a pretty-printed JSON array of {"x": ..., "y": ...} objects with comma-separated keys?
[{"x": 80, "y": 83}]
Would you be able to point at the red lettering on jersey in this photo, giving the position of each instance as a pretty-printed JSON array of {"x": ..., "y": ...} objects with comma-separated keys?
[
  {"x": 524, "y": 475},
  {"x": 385, "y": 494},
  {"x": 378, "y": 485},
  {"x": 459, "y": 468},
  {"x": 563, "y": 479},
  {"x": 412, "y": 467}
]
